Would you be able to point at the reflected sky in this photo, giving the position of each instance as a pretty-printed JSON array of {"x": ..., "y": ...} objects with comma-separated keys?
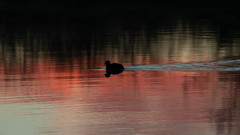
[
  {"x": 52, "y": 82},
  {"x": 172, "y": 102}
]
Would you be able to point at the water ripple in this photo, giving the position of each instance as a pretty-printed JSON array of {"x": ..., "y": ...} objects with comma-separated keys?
[{"x": 227, "y": 65}]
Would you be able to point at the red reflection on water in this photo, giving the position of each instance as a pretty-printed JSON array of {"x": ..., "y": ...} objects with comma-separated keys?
[
  {"x": 149, "y": 97},
  {"x": 45, "y": 80},
  {"x": 49, "y": 78}
]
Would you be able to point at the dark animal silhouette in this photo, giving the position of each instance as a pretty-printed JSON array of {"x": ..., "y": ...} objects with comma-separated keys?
[{"x": 113, "y": 68}]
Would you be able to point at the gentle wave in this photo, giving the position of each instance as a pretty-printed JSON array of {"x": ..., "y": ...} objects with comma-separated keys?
[{"x": 227, "y": 65}]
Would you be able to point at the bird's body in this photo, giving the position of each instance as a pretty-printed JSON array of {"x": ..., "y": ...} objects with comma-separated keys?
[{"x": 113, "y": 68}]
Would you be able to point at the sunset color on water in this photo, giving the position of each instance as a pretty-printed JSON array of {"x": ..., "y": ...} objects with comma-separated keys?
[{"x": 181, "y": 74}]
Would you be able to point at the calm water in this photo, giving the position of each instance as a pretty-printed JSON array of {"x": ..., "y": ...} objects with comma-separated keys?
[{"x": 181, "y": 78}]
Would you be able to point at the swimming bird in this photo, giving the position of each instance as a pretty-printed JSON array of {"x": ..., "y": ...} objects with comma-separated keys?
[{"x": 113, "y": 68}]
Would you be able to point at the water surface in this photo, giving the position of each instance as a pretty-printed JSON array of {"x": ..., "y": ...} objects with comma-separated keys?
[{"x": 180, "y": 78}]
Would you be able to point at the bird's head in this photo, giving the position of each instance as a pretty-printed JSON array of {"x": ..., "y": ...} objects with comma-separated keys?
[{"x": 107, "y": 62}]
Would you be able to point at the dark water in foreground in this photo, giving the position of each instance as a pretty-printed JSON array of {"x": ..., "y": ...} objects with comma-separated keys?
[{"x": 181, "y": 78}]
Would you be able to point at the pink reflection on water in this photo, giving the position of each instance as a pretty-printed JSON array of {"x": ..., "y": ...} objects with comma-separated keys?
[{"x": 85, "y": 102}]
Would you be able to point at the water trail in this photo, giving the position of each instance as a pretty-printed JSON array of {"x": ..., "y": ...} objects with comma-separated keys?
[{"x": 227, "y": 65}]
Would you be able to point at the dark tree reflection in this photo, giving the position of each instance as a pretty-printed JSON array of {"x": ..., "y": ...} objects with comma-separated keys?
[
  {"x": 119, "y": 41},
  {"x": 226, "y": 118}
]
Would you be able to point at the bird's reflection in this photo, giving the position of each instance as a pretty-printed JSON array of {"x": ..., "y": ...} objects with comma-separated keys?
[{"x": 113, "y": 68}]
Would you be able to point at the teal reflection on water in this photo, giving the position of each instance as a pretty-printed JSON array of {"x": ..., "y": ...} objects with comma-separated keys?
[{"x": 23, "y": 118}]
